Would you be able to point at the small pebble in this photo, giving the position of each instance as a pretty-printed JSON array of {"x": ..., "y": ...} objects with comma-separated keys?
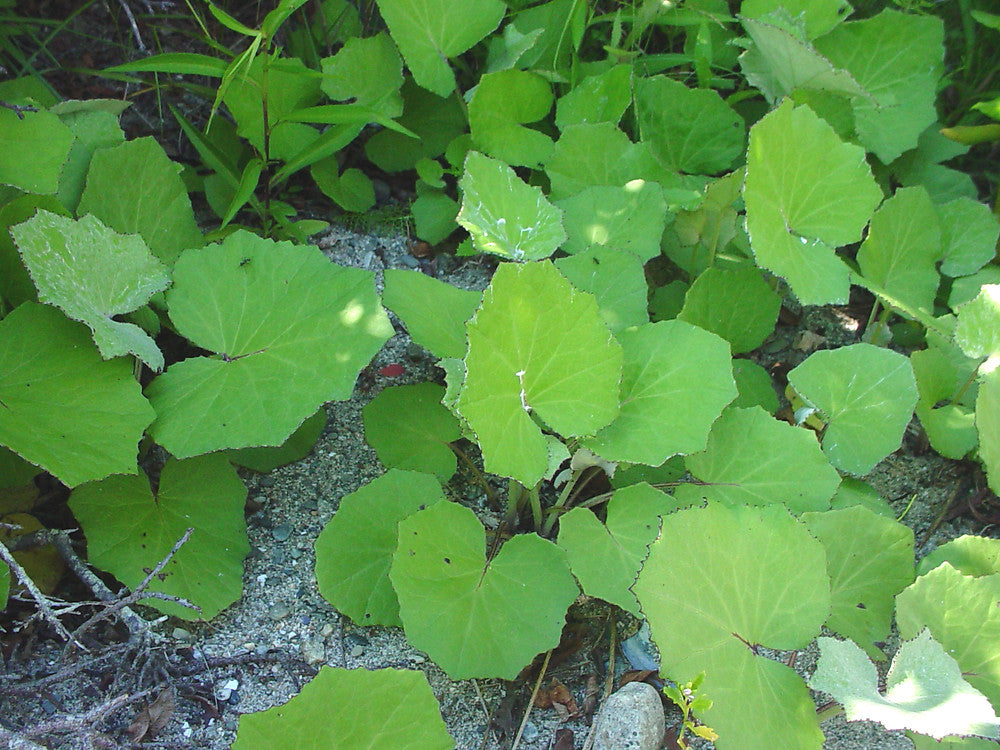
[
  {"x": 48, "y": 707},
  {"x": 278, "y": 557},
  {"x": 261, "y": 650},
  {"x": 530, "y": 732},
  {"x": 181, "y": 634},
  {"x": 295, "y": 552},
  {"x": 304, "y": 619},
  {"x": 326, "y": 631},
  {"x": 356, "y": 651},
  {"x": 281, "y": 532},
  {"x": 225, "y": 692},
  {"x": 234, "y": 698},
  {"x": 313, "y": 650},
  {"x": 278, "y": 611}
]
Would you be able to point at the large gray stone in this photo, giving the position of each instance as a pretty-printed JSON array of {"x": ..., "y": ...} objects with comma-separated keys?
[{"x": 631, "y": 719}]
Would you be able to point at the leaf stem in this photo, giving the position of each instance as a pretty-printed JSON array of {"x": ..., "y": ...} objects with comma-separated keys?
[
  {"x": 531, "y": 701},
  {"x": 480, "y": 477}
]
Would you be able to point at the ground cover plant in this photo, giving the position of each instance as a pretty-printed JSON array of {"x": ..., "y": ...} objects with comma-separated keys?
[{"x": 656, "y": 182}]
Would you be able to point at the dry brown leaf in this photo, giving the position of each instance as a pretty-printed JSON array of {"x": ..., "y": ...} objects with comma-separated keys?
[
  {"x": 807, "y": 341},
  {"x": 564, "y": 740},
  {"x": 558, "y": 696},
  {"x": 636, "y": 675},
  {"x": 590, "y": 695},
  {"x": 151, "y": 720}
]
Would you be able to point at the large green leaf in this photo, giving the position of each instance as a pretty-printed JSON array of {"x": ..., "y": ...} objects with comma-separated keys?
[
  {"x": 354, "y": 551},
  {"x": 501, "y": 105},
  {"x": 676, "y": 380},
  {"x": 898, "y": 58},
  {"x": 736, "y": 304},
  {"x": 630, "y": 218},
  {"x": 152, "y": 202},
  {"x": 616, "y": 279},
  {"x": 504, "y": 215},
  {"x": 924, "y": 691},
  {"x": 870, "y": 559},
  {"x": 592, "y": 154},
  {"x": 409, "y": 428},
  {"x": 961, "y": 613},
  {"x": 476, "y": 617},
  {"x": 434, "y": 312},
  {"x": 689, "y": 130},
  {"x": 34, "y": 147},
  {"x": 390, "y": 708},
  {"x": 805, "y": 196},
  {"x": 537, "y": 347},
  {"x": 129, "y": 530},
  {"x": 744, "y": 603},
  {"x": 428, "y": 32},
  {"x": 865, "y": 394},
  {"x": 754, "y": 459},
  {"x": 290, "y": 330},
  {"x": 367, "y": 71},
  {"x": 902, "y": 247},
  {"x": 92, "y": 274},
  {"x": 63, "y": 407},
  {"x": 606, "y": 557}
]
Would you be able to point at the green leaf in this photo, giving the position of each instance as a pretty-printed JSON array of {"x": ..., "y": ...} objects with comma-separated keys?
[
  {"x": 853, "y": 492},
  {"x": 434, "y": 312},
  {"x": 65, "y": 409},
  {"x": 429, "y": 32},
  {"x": 297, "y": 447},
  {"x": 819, "y": 16},
  {"x": 351, "y": 189},
  {"x": 978, "y": 329},
  {"x": 14, "y": 470},
  {"x": 4, "y": 585},
  {"x": 865, "y": 394},
  {"x": 41, "y": 135},
  {"x": 92, "y": 274},
  {"x": 606, "y": 557},
  {"x": 969, "y": 233},
  {"x": 689, "y": 130},
  {"x": 473, "y": 617},
  {"x": 870, "y": 559},
  {"x": 434, "y": 213},
  {"x": 290, "y": 329},
  {"x": 924, "y": 692},
  {"x": 152, "y": 202},
  {"x": 368, "y": 71},
  {"x": 676, "y": 380},
  {"x": 754, "y": 459},
  {"x": 410, "y": 429},
  {"x": 755, "y": 385},
  {"x": 898, "y": 58},
  {"x": 950, "y": 426},
  {"x": 616, "y": 279},
  {"x": 970, "y": 555},
  {"x": 94, "y": 129},
  {"x": 181, "y": 63},
  {"x": 15, "y": 281},
  {"x": 902, "y": 247},
  {"x": 129, "y": 530},
  {"x": 758, "y": 703},
  {"x": 354, "y": 551},
  {"x": 602, "y": 97},
  {"x": 537, "y": 347},
  {"x": 966, "y": 288},
  {"x": 501, "y": 105},
  {"x": 735, "y": 304},
  {"x": 629, "y": 219},
  {"x": 988, "y": 424},
  {"x": 805, "y": 197},
  {"x": 390, "y": 708},
  {"x": 504, "y": 215}
]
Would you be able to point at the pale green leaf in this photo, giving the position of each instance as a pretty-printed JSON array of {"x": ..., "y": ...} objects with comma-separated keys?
[
  {"x": 616, "y": 279},
  {"x": 602, "y": 97},
  {"x": 93, "y": 274},
  {"x": 819, "y": 16},
  {"x": 853, "y": 492},
  {"x": 735, "y": 304},
  {"x": 351, "y": 189},
  {"x": 129, "y": 531},
  {"x": 15, "y": 281},
  {"x": 969, "y": 233},
  {"x": 970, "y": 555},
  {"x": 476, "y": 617},
  {"x": 629, "y": 218},
  {"x": 434, "y": 213},
  {"x": 978, "y": 329},
  {"x": 434, "y": 312},
  {"x": 367, "y": 71},
  {"x": 950, "y": 426},
  {"x": 988, "y": 424},
  {"x": 354, "y": 551},
  {"x": 501, "y": 105}
]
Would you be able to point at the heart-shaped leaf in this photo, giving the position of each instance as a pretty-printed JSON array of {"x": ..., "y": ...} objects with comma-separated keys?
[
  {"x": 503, "y": 102},
  {"x": 434, "y": 312}
]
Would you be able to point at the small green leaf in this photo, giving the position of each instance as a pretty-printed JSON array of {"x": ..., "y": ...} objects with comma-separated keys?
[
  {"x": 969, "y": 233},
  {"x": 503, "y": 102},
  {"x": 970, "y": 555},
  {"x": 950, "y": 426},
  {"x": 870, "y": 559},
  {"x": 602, "y": 97},
  {"x": 351, "y": 189},
  {"x": 368, "y": 71},
  {"x": 629, "y": 219},
  {"x": 756, "y": 386},
  {"x": 978, "y": 329},
  {"x": 786, "y": 465},
  {"x": 605, "y": 558},
  {"x": 504, "y": 215},
  {"x": 354, "y": 551},
  {"x": 290, "y": 329},
  {"x": 590, "y": 155},
  {"x": 410, "y": 429},
  {"x": 805, "y": 197},
  {"x": 676, "y": 380},
  {"x": 434, "y": 213},
  {"x": 689, "y": 130},
  {"x": 924, "y": 692},
  {"x": 434, "y": 312},
  {"x": 476, "y": 617},
  {"x": 64, "y": 408},
  {"x": 616, "y": 279},
  {"x": 429, "y": 32},
  {"x": 152, "y": 202},
  {"x": 988, "y": 424},
  {"x": 735, "y": 304},
  {"x": 853, "y": 492},
  {"x": 758, "y": 703},
  {"x": 390, "y": 708},
  {"x": 129, "y": 530},
  {"x": 92, "y": 274},
  {"x": 865, "y": 394},
  {"x": 94, "y": 129},
  {"x": 297, "y": 447},
  {"x": 182, "y": 63},
  {"x": 820, "y": 16},
  {"x": 537, "y": 347},
  {"x": 42, "y": 137}
]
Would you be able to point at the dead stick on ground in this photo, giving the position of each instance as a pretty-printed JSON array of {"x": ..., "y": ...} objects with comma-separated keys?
[
  {"x": 609, "y": 685},
  {"x": 44, "y": 607},
  {"x": 531, "y": 701}
]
